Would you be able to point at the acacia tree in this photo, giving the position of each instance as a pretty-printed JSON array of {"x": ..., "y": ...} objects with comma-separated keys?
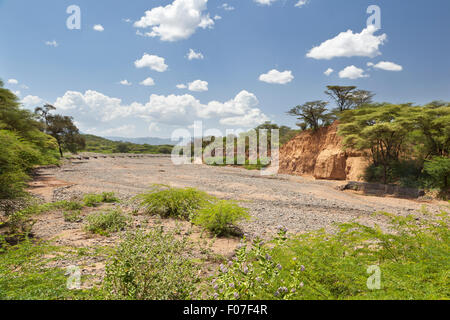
[
  {"x": 342, "y": 96},
  {"x": 314, "y": 114},
  {"x": 62, "y": 129},
  {"x": 361, "y": 97},
  {"x": 379, "y": 129}
]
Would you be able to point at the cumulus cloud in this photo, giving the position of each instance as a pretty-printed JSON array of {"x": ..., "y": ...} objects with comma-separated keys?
[
  {"x": 181, "y": 86},
  {"x": 99, "y": 28},
  {"x": 275, "y": 76},
  {"x": 194, "y": 55},
  {"x": 176, "y": 21},
  {"x": 32, "y": 101},
  {"x": 352, "y": 72},
  {"x": 349, "y": 44},
  {"x": 148, "y": 82},
  {"x": 13, "y": 81},
  {"x": 151, "y": 61},
  {"x": 51, "y": 43},
  {"x": 125, "y": 83},
  {"x": 94, "y": 110},
  {"x": 328, "y": 72},
  {"x": 388, "y": 66},
  {"x": 198, "y": 86},
  {"x": 217, "y": 17}
]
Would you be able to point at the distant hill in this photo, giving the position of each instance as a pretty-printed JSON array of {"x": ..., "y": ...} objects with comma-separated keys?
[
  {"x": 148, "y": 140},
  {"x": 104, "y": 145}
]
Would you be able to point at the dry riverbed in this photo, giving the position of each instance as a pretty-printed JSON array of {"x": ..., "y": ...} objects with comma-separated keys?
[{"x": 297, "y": 203}]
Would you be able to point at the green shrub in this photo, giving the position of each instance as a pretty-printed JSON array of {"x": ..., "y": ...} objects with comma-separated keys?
[
  {"x": 413, "y": 260},
  {"x": 178, "y": 203},
  {"x": 94, "y": 200},
  {"x": 109, "y": 197},
  {"x": 220, "y": 217},
  {"x": 72, "y": 216},
  {"x": 67, "y": 205},
  {"x": 150, "y": 266},
  {"x": 439, "y": 171},
  {"x": 106, "y": 222}
]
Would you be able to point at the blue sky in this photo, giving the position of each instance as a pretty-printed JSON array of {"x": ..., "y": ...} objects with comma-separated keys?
[{"x": 255, "y": 58}]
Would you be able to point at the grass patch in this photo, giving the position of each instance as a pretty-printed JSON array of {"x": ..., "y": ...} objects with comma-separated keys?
[
  {"x": 106, "y": 222},
  {"x": 94, "y": 200},
  {"x": 72, "y": 216},
  {"x": 24, "y": 276},
  {"x": 150, "y": 266}
]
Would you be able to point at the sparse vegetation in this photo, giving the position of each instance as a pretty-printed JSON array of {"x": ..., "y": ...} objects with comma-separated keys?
[
  {"x": 106, "y": 222},
  {"x": 413, "y": 261},
  {"x": 151, "y": 266},
  {"x": 72, "y": 216},
  {"x": 94, "y": 200}
]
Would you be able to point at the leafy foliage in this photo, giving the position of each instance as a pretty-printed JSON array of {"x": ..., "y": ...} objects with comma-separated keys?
[
  {"x": 24, "y": 146},
  {"x": 413, "y": 259},
  {"x": 438, "y": 169},
  {"x": 313, "y": 114},
  {"x": 150, "y": 266}
]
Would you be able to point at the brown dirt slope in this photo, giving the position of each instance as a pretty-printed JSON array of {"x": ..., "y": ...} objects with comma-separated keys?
[{"x": 320, "y": 154}]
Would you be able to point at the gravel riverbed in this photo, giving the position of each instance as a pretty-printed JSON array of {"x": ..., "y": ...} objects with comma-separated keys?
[{"x": 298, "y": 203}]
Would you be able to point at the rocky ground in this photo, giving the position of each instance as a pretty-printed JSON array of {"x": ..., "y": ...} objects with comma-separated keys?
[{"x": 298, "y": 203}]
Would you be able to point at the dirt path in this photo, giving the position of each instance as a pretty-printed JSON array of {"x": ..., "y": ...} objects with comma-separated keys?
[{"x": 300, "y": 204}]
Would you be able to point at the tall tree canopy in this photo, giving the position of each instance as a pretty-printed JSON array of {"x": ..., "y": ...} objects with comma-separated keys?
[
  {"x": 313, "y": 114},
  {"x": 62, "y": 129}
]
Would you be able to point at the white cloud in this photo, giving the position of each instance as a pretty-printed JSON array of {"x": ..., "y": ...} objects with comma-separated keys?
[
  {"x": 148, "y": 82},
  {"x": 176, "y": 21},
  {"x": 181, "y": 86},
  {"x": 328, "y": 72},
  {"x": 127, "y": 130},
  {"x": 13, "y": 81},
  {"x": 388, "y": 66},
  {"x": 94, "y": 110},
  {"x": 194, "y": 55},
  {"x": 198, "y": 86},
  {"x": 125, "y": 83},
  {"x": 99, "y": 28},
  {"x": 265, "y": 2},
  {"x": 151, "y": 61},
  {"x": 217, "y": 17},
  {"x": 52, "y": 43},
  {"x": 352, "y": 72},
  {"x": 226, "y": 7},
  {"x": 32, "y": 101},
  {"x": 349, "y": 44},
  {"x": 127, "y": 20},
  {"x": 17, "y": 93},
  {"x": 301, "y": 3},
  {"x": 275, "y": 76}
]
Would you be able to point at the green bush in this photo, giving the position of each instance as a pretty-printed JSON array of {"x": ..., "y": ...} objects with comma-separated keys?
[
  {"x": 439, "y": 171},
  {"x": 150, "y": 266},
  {"x": 109, "y": 197},
  {"x": 178, "y": 203},
  {"x": 220, "y": 217},
  {"x": 106, "y": 222},
  {"x": 413, "y": 259}
]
